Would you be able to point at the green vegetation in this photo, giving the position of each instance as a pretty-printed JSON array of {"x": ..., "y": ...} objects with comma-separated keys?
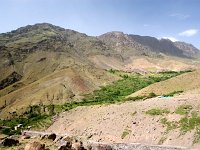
[
  {"x": 157, "y": 111},
  {"x": 169, "y": 124},
  {"x": 125, "y": 133},
  {"x": 162, "y": 140},
  {"x": 129, "y": 84},
  {"x": 189, "y": 123},
  {"x": 34, "y": 117},
  {"x": 109, "y": 94},
  {"x": 151, "y": 95},
  {"x": 33, "y": 120},
  {"x": 185, "y": 124},
  {"x": 183, "y": 109},
  {"x": 173, "y": 93},
  {"x": 138, "y": 98},
  {"x": 197, "y": 136}
]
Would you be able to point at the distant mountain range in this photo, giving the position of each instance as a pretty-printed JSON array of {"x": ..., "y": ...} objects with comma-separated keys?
[
  {"x": 53, "y": 64},
  {"x": 150, "y": 44}
]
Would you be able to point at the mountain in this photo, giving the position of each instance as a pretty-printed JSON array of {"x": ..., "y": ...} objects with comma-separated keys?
[
  {"x": 147, "y": 44},
  {"x": 188, "y": 49},
  {"x": 49, "y": 64},
  {"x": 145, "y": 53}
]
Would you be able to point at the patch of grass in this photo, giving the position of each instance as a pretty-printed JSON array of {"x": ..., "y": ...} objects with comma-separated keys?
[
  {"x": 125, "y": 133},
  {"x": 197, "y": 136},
  {"x": 33, "y": 117},
  {"x": 173, "y": 93},
  {"x": 151, "y": 95},
  {"x": 157, "y": 111},
  {"x": 189, "y": 123},
  {"x": 186, "y": 124},
  {"x": 169, "y": 124},
  {"x": 183, "y": 109},
  {"x": 162, "y": 140},
  {"x": 137, "y": 98}
]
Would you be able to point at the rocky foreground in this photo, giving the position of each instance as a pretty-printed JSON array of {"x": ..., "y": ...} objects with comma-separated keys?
[{"x": 33, "y": 140}]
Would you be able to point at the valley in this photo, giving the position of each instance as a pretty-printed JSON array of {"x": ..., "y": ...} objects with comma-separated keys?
[{"x": 113, "y": 88}]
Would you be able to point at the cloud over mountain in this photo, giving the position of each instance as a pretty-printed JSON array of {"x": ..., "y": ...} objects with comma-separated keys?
[
  {"x": 173, "y": 39},
  {"x": 189, "y": 32}
]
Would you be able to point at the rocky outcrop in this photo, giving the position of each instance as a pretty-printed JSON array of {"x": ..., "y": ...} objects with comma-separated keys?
[
  {"x": 12, "y": 78},
  {"x": 10, "y": 142},
  {"x": 187, "y": 48},
  {"x": 66, "y": 142},
  {"x": 34, "y": 146}
]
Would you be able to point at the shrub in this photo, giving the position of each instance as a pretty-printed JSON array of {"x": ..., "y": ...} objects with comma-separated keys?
[
  {"x": 173, "y": 93},
  {"x": 151, "y": 95},
  {"x": 125, "y": 133},
  {"x": 137, "y": 98}
]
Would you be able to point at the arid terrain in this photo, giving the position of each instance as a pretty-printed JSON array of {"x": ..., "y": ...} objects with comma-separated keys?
[
  {"x": 129, "y": 123},
  {"x": 112, "y": 88}
]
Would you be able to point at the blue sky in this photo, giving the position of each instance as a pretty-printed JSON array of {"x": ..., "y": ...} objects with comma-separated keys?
[{"x": 175, "y": 19}]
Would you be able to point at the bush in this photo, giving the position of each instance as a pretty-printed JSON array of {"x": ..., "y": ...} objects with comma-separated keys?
[
  {"x": 173, "y": 93},
  {"x": 125, "y": 133},
  {"x": 151, "y": 95}
]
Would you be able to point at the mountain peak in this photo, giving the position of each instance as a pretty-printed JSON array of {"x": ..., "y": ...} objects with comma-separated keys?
[{"x": 38, "y": 26}]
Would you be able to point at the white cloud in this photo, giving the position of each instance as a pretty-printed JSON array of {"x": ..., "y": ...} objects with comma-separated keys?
[
  {"x": 173, "y": 39},
  {"x": 189, "y": 32},
  {"x": 180, "y": 16}
]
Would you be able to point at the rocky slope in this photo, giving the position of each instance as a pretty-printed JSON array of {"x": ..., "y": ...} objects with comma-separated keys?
[
  {"x": 146, "y": 45},
  {"x": 41, "y": 60},
  {"x": 129, "y": 122},
  {"x": 188, "y": 49}
]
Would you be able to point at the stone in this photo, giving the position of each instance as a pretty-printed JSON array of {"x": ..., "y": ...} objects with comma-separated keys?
[
  {"x": 64, "y": 145},
  {"x": 78, "y": 146},
  {"x": 35, "y": 146},
  {"x": 51, "y": 136},
  {"x": 25, "y": 137},
  {"x": 10, "y": 142}
]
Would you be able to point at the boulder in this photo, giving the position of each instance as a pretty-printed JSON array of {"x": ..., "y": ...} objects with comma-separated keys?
[
  {"x": 10, "y": 142},
  {"x": 25, "y": 137},
  {"x": 64, "y": 145},
  {"x": 78, "y": 146},
  {"x": 51, "y": 136},
  {"x": 35, "y": 146}
]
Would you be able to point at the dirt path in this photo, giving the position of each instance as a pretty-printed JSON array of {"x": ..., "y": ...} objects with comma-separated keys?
[{"x": 128, "y": 122}]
